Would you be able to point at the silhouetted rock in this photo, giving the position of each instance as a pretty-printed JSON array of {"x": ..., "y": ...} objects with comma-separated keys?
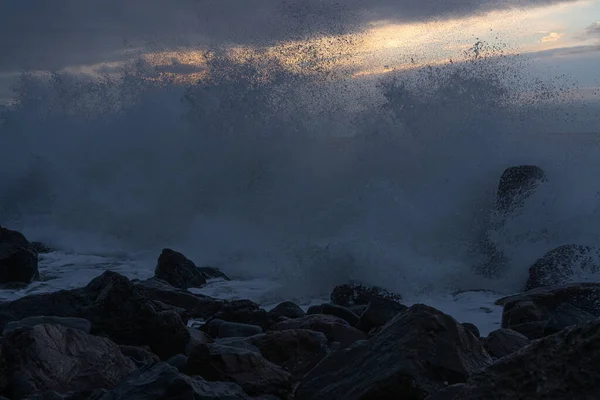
[
  {"x": 565, "y": 264},
  {"x": 287, "y": 309},
  {"x": 354, "y": 294},
  {"x": 75, "y": 323},
  {"x": 557, "y": 367},
  {"x": 8, "y": 236},
  {"x": 334, "y": 328},
  {"x": 238, "y": 342},
  {"x": 178, "y": 271},
  {"x": 213, "y": 273},
  {"x": 178, "y": 361},
  {"x": 234, "y": 329},
  {"x": 335, "y": 310},
  {"x": 378, "y": 313},
  {"x": 54, "y": 357},
  {"x": 139, "y": 356},
  {"x": 418, "y": 353},
  {"x": 116, "y": 309},
  {"x": 197, "y": 337},
  {"x": 472, "y": 328},
  {"x": 503, "y": 342},
  {"x": 295, "y": 350},
  {"x": 245, "y": 312},
  {"x": 248, "y": 369},
  {"x": 17, "y": 264},
  {"x": 542, "y": 310}
]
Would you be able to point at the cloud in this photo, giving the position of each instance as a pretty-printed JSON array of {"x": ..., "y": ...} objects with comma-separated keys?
[
  {"x": 593, "y": 29},
  {"x": 42, "y": 34},
  {"x": 552, "y": 37}
]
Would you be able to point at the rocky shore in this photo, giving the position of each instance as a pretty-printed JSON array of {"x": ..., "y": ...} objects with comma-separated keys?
[{"x": 122, "y": 339}]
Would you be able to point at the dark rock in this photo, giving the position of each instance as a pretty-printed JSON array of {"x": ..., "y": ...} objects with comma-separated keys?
[
  {"x": 378, "y": 313},
  {"x": 472, "y": 328},
  {"x": 162, "y": 381},
  {"x": 287, "y": 309},
  {"x": 178, "y": 271},
  {"x": 516, "y": 185},
  {"x": 557, "y": 367},
  {"x": 503, "y": 342},
  {"x": 196, "y": 338},
  {"x": 529, "y": 313},
  {"x": 140, "y": 356},
  {"x": 54, "y": 357},
  {"x": 238, "y": 342},
  {"x": 565, "y": 264},
  {"x": 17, "y": 264},
  {"x": 213, "y": 273},
  {"x": 179, "y": 361},
  {"x": 335, "y": 310},
  {"x": 212, "y": 327},
  {"x": 245, "y": 312},
  {"x": 564, "y": 316},
  {"x": 195, "y": 305},
  {"x": 418, "y": 353},
  {"x": 11, "y": 237},
  {"x": 334, "y": 328},
  {"x": 354, "y": 294},
  {"x": 116, "y": 309},
  {"x": 234, "y": 329},
  {"x": 250, "y": 370},
  {"x": 358, "y": 310},
  {"x": 75, "y": 323},
  {"x": 296, "y": 351}
]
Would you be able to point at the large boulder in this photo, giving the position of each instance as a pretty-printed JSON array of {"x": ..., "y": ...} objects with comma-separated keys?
[
  {"x": 178, "y": 271},
  {"x": 18, "y": 264},
  {"x": 334, "y": 328},
  {"x": 287, "y": 309},
  {"x": 139, "y": 355},
  {"x": 378, "y": 313},
  {"x": 54, "y": 357},
  {"x": 248, "y": 369},
  {"x": 565, "y": 264},
  {"x": 503, "y": 342},
  {"x": 557, "y": 367},
  {"x": 546, "y": 310},
  {"x": 295, "y": 350},
  {"x": 335, "y": 310},
  {"x": 418, "y": 353},
  {"x": 116, "y": 309},
  {"x": 352, "y": 294},
  {"x": 75, "y": 323},
  {"x": 245, "y": 312}
]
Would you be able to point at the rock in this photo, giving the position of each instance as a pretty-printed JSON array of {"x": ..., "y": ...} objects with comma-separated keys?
[
  {"x": 335, "y": 310},
  {"x": 503, "y": 342},
  {"x": 212, "y": 327},
  {"x": 564, "y": 316},
  {"x": 287, "y": 309},
  {"x": 358, "y": 310},
  {"x": 213, "y": 273},
  {"x": 238, "y": 342},
  {"x": 557, "y": 367},
  {"x": 175, "y": 269},
  {"x": 418, "y": 353},
  {"x": 196, "y": 338},
  {"x": 245, "y": 312},
  {"x": 162, "y": 381},
  {"x": 76, "y": 323},
  {"x": 296, "y": 350},
  {"x": 195, "y": 305},
  {"x": 565, "y": 264},
  {"x": 11, "y": 237},
  {"x": 17, "y": 264},
  {"x": 248, "y": 369},
  {"x": 516, "y": 185},
  {"x": 354, "y": 294},
  {"x": 140, "y": 356},
  {"x": 334, "y": 328},
  {"x": 378, "y": 313},
  {"x": 179, "y": 361},
  {"x": 529, "y": 313},
  {"x": 472, "y": 328},
  {"x": 54, "y": 357},
  {"x": 233, "y": 329},
  {"x": 116, "y": 309}
]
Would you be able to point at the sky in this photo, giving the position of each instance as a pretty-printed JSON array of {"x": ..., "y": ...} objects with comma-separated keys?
[{"x": 369, "y": 37}]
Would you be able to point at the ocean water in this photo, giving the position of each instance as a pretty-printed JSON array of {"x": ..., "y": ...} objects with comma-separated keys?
[{"x": 292, "y": 182}]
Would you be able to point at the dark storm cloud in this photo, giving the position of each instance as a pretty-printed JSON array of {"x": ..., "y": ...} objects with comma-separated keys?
[{"x": 43, "y": 34}]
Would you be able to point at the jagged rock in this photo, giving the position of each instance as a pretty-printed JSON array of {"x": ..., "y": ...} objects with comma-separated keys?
[
  {"x": 248, "y": 369},
  {"x": 287, "y": 309},
  {"x": 54, "y": 357},
  {"x": 213, "y": 273},
  {"x": 417, "y": 353},
  {"x": 565, "y": 264},
  {"x": 335, "y": 310},
  {"x": 116, "y": 309},
  {"x": 354, "y": 294},
  {"x": 472, "y": 328},
  {"x": 534, "y": 313},
  {"x": 140, "y": 356},
  {"x": 564, "y": 316},
  {"x": 197, "y": 337},
  {"x": 234, "y": 329},
  {"x": 195, "y": 305},
  {"x": 178, "y": 271},
  {"x": 378, "y": 313},
  {"x": 75, "y": 323},
  {"x": 557, "y": 367},
  {"x": 296, "y": 350},
  {"x": 503, "y": 342},
  {"x": 334, "y": 328},
  {"x": 245, "y": 312},
  {"x": 17, "y": 264}
]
